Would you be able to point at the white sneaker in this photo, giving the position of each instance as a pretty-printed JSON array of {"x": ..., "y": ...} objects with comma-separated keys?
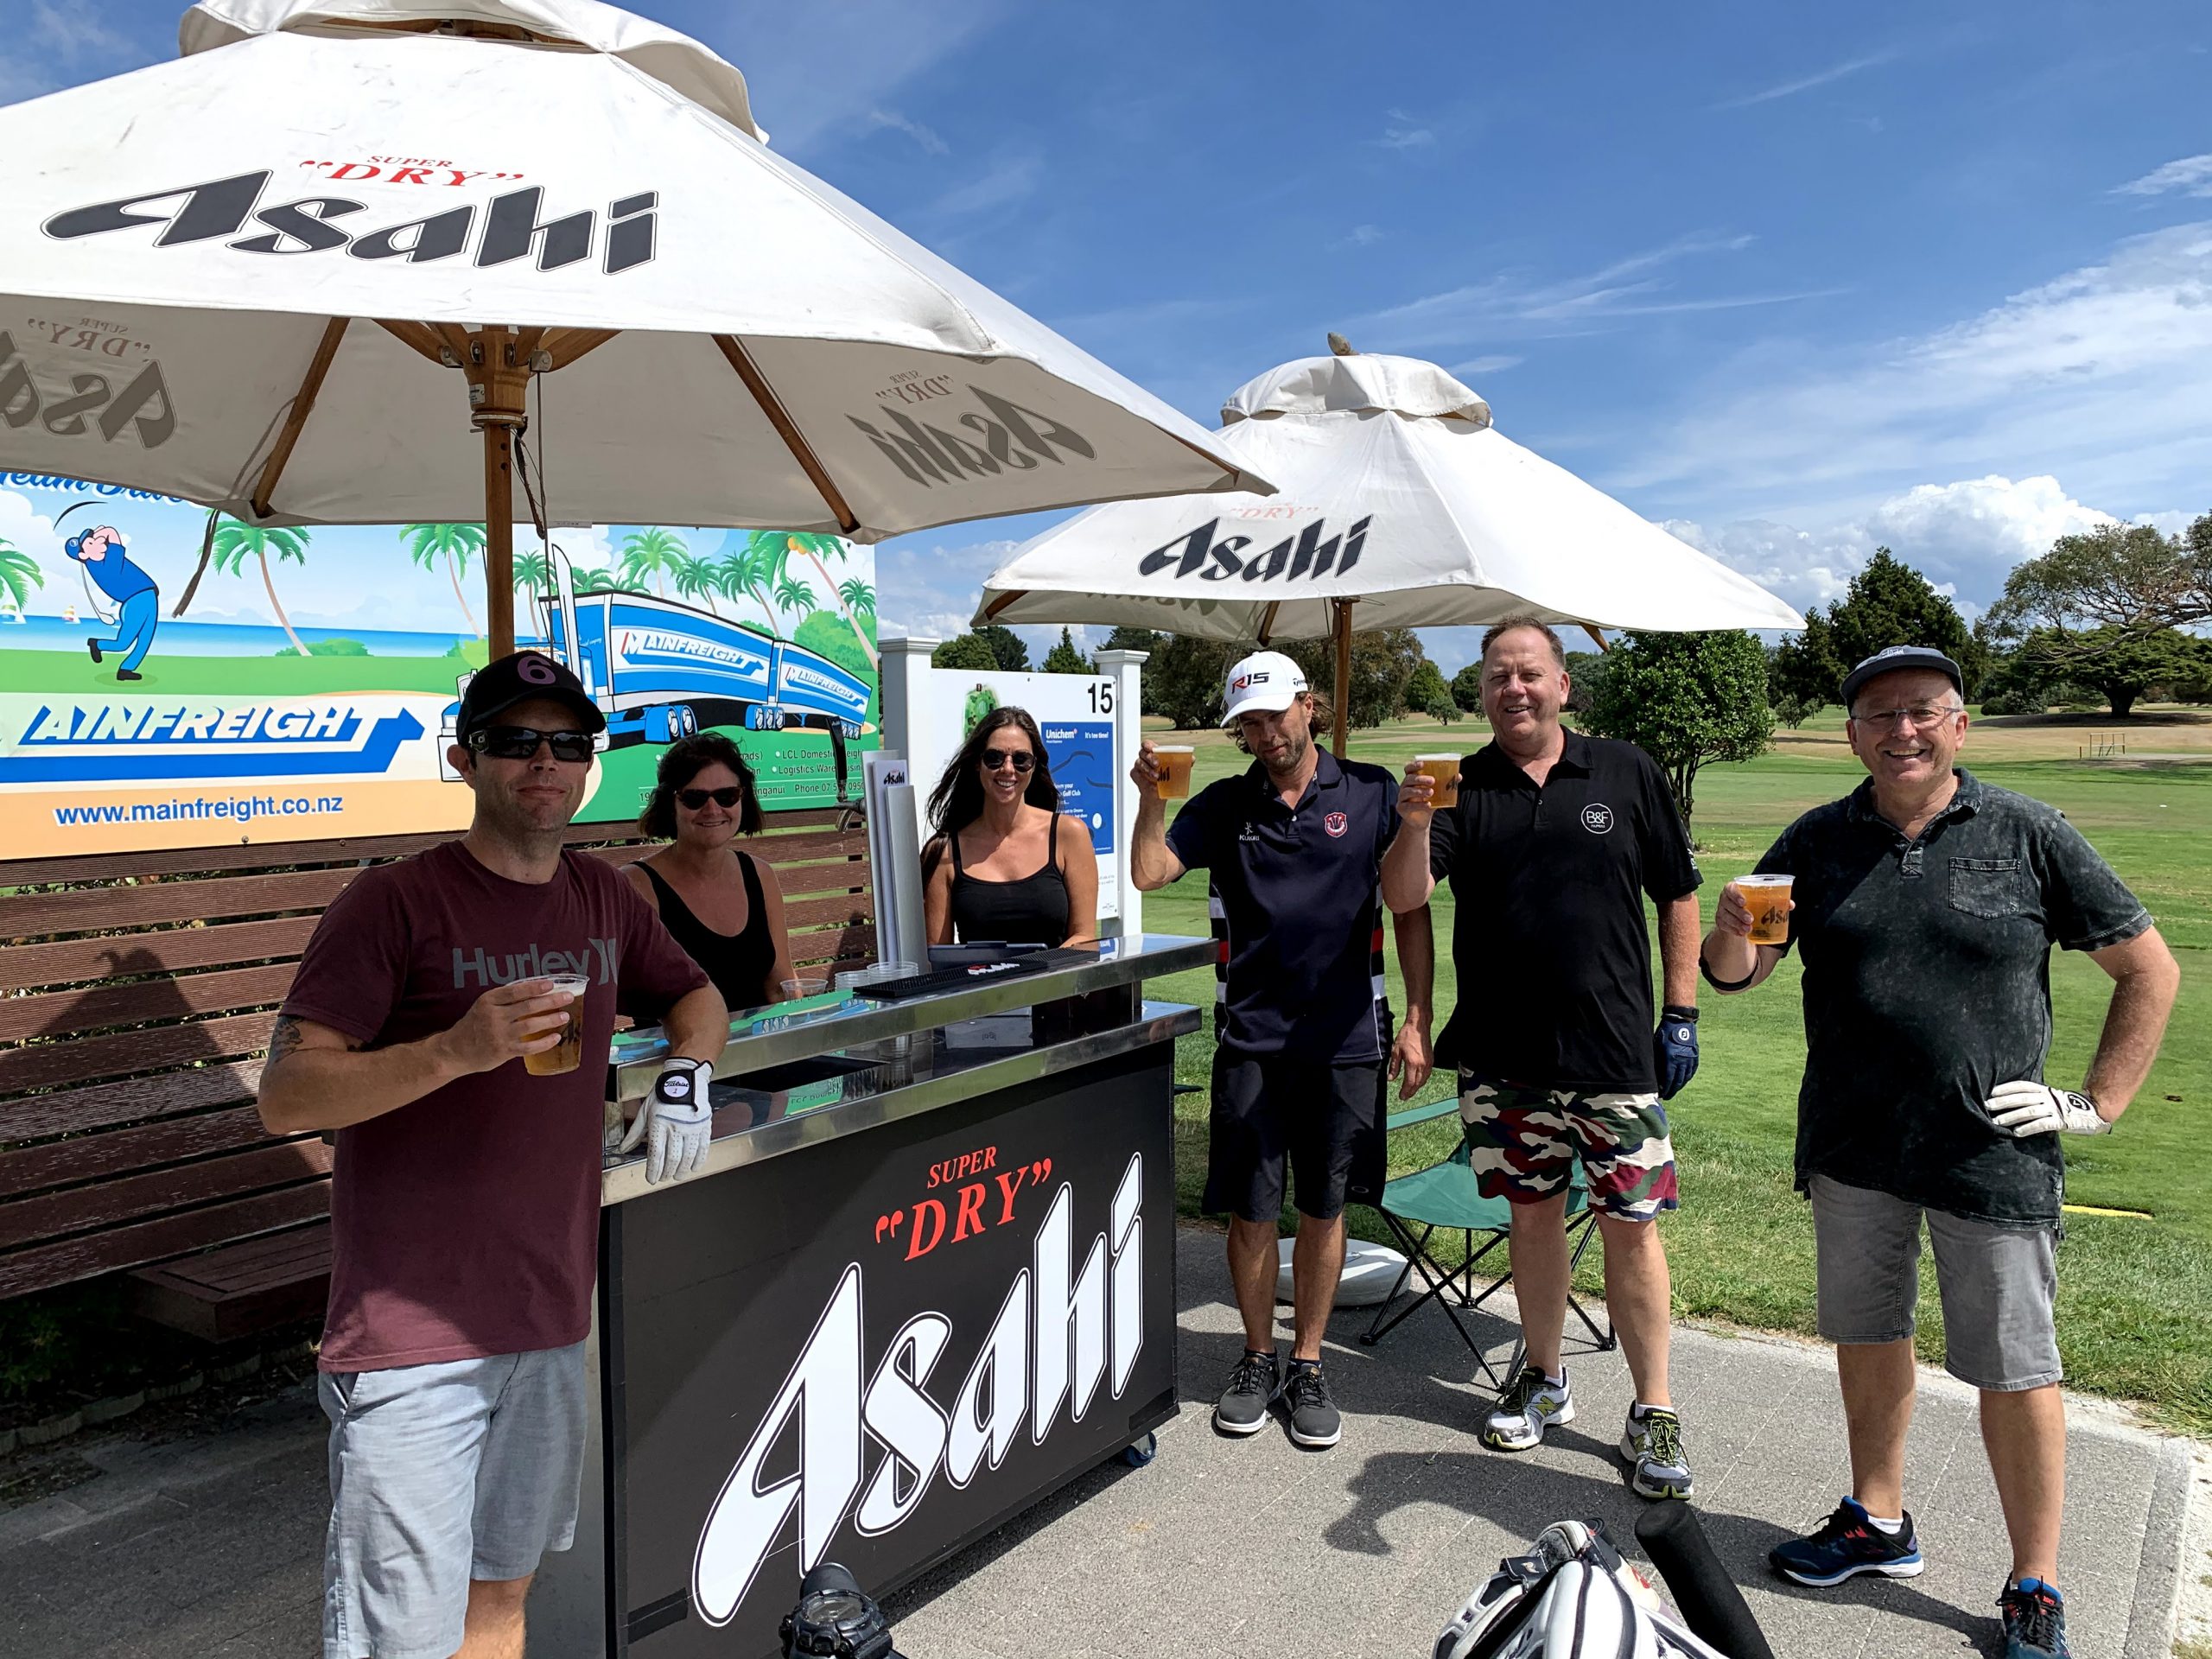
[
  {"x": 1653, "y": 1443},
  {"x": 1526, "y": 1409}
]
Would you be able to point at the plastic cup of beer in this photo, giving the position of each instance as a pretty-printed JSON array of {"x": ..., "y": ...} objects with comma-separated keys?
[
  {"x": 1174, "y": 761},
  {"x": 1767, "y": 897},
  {"x": 569, "y": 1053},
  {"x": 1445, "y": 770}
]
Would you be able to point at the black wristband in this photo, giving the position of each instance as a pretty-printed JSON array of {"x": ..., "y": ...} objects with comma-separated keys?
[
  {"x": 1676, "y": 1011},
  {"x": 1704, "y": 967}
]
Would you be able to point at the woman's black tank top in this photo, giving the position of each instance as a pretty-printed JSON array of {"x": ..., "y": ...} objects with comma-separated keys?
[
  {"x": 1031, "y": 911},
  {"x": 739, "y": 964}
]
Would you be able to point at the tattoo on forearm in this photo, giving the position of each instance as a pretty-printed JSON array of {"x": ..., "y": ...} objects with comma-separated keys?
[{"x": 283, "y": 1040}]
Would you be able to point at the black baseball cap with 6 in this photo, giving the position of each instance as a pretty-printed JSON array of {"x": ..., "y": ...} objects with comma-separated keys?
[
  {"x": 497, "y": 687},
  {"x": 1897, "y": 657}
]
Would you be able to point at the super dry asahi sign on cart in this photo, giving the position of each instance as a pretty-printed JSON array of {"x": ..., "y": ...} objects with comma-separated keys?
[{"x": 888, "y": 1347}]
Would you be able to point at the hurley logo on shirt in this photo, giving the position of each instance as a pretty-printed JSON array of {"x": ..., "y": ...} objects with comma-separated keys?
[{"x": 484, "y": 971}]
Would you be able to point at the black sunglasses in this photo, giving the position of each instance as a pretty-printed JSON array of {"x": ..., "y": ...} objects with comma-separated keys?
[
  {"x": 520, "y": 743},
  {"x": 1019, "y": 760},
  {"x": 693, "y": 800}
]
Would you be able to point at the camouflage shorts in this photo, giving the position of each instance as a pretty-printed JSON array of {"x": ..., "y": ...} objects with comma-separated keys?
[{"x": 1523, "y": 1143}]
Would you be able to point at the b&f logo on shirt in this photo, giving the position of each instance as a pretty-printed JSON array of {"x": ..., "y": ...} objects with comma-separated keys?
[{"x": 1597, "y": 818}]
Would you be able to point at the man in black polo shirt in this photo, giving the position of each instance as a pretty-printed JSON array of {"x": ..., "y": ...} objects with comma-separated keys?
[
  {"x": 1555, "y": 842},
  {"x": 1925, "y": 906},
  {"x": 1292, "y": 846}
]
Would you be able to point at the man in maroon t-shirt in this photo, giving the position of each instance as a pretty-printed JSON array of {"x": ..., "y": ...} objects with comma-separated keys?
[{"x": 465, "y": 1205}]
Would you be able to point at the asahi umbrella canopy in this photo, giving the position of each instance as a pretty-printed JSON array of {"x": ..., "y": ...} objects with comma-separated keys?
[
  {"x": 283, "y": 275},
  {"x": 1397, "y": 493}
]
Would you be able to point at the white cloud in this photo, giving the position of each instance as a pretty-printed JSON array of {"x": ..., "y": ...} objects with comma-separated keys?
[
  {"x": 2191, "y": 176},
  {"x": 1010, "y": 176},
  {"x": 2104, "y": 374},
  {"x": 930, "y": 591},
  {"x": 1406, "y": 133},
  {"x": 1635, "y": 285},
  {"x": 1360, "y": 236},
  {"x": 925, "y": 137},
  {"x": 1806, "y": 83},
  {"x": 1495, "y": 363},
  {"x": 1964, "y": 537},
  {"x": 55, "y": 45},
  {"x": 814, "y": 73}
]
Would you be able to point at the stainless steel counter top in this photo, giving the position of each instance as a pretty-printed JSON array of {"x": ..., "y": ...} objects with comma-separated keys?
[
  {"x": 764, "y": 1037},
  {"x": 871, "y": 1084}
]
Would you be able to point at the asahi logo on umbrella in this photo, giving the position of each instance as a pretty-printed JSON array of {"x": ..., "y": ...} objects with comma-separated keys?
[
  {"x": 1006, "y": 436},
  {"x": 72, "y": 400},
  {"x": 512, "y": 225},
  {"x": 1303, "y": 557}
]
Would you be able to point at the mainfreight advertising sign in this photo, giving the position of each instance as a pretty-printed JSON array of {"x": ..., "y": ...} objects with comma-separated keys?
[{"x": 170, "y": 682}]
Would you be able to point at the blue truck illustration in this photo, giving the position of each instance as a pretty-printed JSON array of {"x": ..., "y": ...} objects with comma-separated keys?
[{"x": 660, "y": 670}]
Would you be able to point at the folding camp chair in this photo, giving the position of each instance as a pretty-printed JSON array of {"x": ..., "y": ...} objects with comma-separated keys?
[{"x": 1447, "y": 1196}]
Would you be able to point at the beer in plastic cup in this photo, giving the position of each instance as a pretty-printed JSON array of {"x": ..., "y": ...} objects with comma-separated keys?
[
  {"x": 569, "y": 1053},
  {"x": 1174, "y": 761},
  {"x": 1767, "y": 897},
  {"x": 1445, "y": 769}
]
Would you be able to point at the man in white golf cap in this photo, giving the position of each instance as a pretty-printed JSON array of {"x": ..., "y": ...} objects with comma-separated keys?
[{"x": 1293, "y": 850}]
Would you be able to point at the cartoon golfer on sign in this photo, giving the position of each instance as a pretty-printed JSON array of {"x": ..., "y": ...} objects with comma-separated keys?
[{"x": 100, "y": 551}]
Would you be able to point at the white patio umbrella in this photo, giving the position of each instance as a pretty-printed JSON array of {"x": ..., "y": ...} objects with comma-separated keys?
[
  {"x": 278, "y": 274},
  {"x": 1397, "y": 497}
]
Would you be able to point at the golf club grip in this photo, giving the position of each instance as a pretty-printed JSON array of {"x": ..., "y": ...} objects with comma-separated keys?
[{"x": 1708, "y": 1599}]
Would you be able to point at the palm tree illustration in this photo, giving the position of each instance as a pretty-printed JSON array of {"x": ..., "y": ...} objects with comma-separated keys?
[
  {"x": 757, "y": 567},
  {"x": 456, "y": 544},
  {"x": 534, "y": 576},
  {"x": 234, "y": 541},
  {"x": 816, "y": 549},
  {"x": 19, "y": 574},
  {"x": 694, "y": 579},
  {"x": 794, "y": 593},
  {"x": 653, "y": 552},
  {"x": 858, "y": 597},
  {"x": 207, "y": 552}
]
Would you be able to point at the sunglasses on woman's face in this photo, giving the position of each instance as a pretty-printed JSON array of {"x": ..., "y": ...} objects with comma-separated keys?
[
  {"x": 520, "y": 743},
  {"x": 1019, "y": 760},
  {"x": 694, "y": 799}
]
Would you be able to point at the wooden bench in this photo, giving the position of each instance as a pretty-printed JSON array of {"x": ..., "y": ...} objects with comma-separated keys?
[{"x": 136, "y": 994}]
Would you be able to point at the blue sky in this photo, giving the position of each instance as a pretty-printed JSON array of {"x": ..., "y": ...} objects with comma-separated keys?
[{"x": 1796, "y": 281}]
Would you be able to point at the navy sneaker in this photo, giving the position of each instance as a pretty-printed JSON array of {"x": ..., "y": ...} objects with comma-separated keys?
[
  {"x": 2034, "y": 1621},
  {"x": 1845, "y": 1545}
]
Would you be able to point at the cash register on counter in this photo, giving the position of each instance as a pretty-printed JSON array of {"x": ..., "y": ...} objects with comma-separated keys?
[{"x": 924, "y": 1278}]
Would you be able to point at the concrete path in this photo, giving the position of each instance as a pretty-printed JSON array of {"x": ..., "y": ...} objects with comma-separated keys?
[
  {"x": 211, "y": 1544},
  {"x": 1225, "y": 1546}
]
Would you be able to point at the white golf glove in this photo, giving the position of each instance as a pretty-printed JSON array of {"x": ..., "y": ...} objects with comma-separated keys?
[
  {"x": 2027, "y": 1109},
  {"x": 679, "y": 1118}
]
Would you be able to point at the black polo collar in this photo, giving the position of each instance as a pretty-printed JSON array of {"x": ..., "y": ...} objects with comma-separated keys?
[
  {"x": 1328, "y": 774},
  {"x": 1573, "y": 759}
]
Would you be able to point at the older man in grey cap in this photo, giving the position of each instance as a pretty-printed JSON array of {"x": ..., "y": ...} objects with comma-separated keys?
[{"x": 1925, "y": 906}]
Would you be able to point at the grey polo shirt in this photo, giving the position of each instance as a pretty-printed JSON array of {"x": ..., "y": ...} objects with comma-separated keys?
[{"x": 1927, "y": 983}]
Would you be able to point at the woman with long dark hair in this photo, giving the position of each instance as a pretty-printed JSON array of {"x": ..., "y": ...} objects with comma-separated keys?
[
  {"x": 1005, "y": 864},
  {"x": 723, "y": 906}
]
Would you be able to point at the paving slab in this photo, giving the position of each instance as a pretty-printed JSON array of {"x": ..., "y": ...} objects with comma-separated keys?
[
  {"x": 1226, "y": 1545},
  {"x": 211, "y": 1544}
]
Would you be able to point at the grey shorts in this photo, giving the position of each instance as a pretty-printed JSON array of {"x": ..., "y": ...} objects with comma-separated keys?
[
  {"x": 1998, "y": 1283},
  {"x": 440, "y": 1474}
]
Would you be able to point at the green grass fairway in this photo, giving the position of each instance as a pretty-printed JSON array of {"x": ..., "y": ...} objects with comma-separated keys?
[
  {"x": 254, "y": 676},
  {"x": 2135, "y": 1296}
]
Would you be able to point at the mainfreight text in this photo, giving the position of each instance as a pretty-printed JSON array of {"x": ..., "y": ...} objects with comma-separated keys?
[{"x": 241, "y": 808}]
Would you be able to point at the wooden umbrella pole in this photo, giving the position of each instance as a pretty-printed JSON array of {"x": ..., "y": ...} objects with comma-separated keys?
[
  {"x": 1343, "y": 672},
  {"x": 499, "y": 536}
]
